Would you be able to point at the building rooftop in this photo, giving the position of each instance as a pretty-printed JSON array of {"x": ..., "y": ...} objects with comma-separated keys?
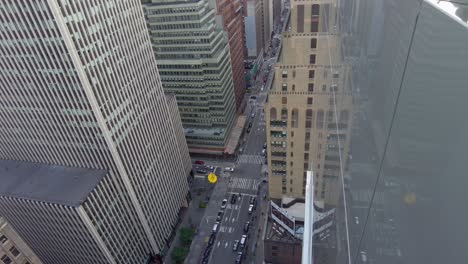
[{"x": 47, "y": 183}]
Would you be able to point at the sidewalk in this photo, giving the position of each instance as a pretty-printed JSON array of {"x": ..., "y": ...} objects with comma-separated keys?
[{"x": 192, "y": 215}]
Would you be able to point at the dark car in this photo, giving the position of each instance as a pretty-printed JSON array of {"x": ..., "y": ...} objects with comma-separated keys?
[
  {"x": 246, "y": 227},
  {"x": 200, "y": 162},
  {"x": 219, "y": 216},
  {"x": 201, "y": 171},
  {"x": 253, "y": 200},
  {"x": 212, "y": 239},
  {"x": 239, "y": 258},
  {"x": 233, "y": 198},
  {"x": 248, "y": 130},
  {"x": 253, "y": 97},
  {"x": 250, "y": 125}
]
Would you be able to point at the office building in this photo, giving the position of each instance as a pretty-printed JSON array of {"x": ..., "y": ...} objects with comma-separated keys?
[
  {"x": 308, "y": 112},
  {"x": 13, "y": 249},
  {"x": 194, "y": 63},
  {"x": 233, "y": 23},
  {"x": 250, "y": 29},
  {"x": 80, "y": 88},
  {"x": 262, "y": 25}
]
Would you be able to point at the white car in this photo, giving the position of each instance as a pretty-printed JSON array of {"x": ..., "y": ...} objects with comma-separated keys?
[
  {"x": 356, "y": 220},
  {"x": 251, "y": 207},
  {"x": 229, "y": 169},
  {"x": 223, "y": 204},
  {"x": 263, "y": 87},
  {"x": 363, "y": 256}
]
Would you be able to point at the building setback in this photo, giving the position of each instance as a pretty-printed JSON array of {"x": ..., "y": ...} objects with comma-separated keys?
[
  {"x": 194, "y": 62},
  {"x": 13, "y": 249},
  {"x": 233, "y": 23},
  {"x": 80, "y": 88},
  {"x": 309, "y": 107}
]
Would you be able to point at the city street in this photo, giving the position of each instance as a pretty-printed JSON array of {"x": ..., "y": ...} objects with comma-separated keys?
[{"x": 248, "y": 180}]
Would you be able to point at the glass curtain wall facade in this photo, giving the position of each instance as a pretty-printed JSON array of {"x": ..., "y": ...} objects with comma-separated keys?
[
  {"x": 194, "y": 63},
  {"x": 404, "y": 197}
]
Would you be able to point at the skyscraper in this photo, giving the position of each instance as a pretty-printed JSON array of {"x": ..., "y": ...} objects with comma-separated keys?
[
  {"x": 80, "y": 87},
  {"x": 233, "y": 23},
  {"x": 194, "y": 62},
  {"x": 308, "y": 112}
]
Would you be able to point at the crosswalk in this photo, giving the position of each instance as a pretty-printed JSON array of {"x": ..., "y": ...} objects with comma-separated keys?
[
  {"x": 250, "y": 159},
  {"x": 244, "y": 183},
  {"x": 364, "y": 196}
]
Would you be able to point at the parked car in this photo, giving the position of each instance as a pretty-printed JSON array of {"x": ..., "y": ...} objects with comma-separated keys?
[
  {"x": 253, "y": 97},
  {"x": 229, "y": 169},
  {"x": 239, "y": 258},
  {"x": 248, "y": 130},
  {"x": 219, "y": 216},
  {"x": 235, "y": 245},
  {"x": 202, "y": 171},
  {"x": 263, "y": 152},
  {"x": 212, "y": 239},
  {"x": 200, "y": 162},
  {"x": 209, "y": 167},
  {"x": 246, "y": 227},
  {"x": 252, "y": 115},
  {"x": 243, "y": 240},
  {"x": 251, "y": 208},
  {"x": 264, "y": 145},
  {"x": 223, "y": 204},
  {"x": 233, "y": 198},
  {"x": 253, "y": 200},
  {"x": 215, "y": 227}
]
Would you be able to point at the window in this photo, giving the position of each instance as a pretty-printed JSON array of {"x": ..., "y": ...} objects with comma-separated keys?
[
  {"x": 294, "y": 74},
  {"x": 3, "y": 239},
  {"x": 311, "y": 74},
  {"x": 272, "y": 113},
  {"x": 284, "y": 87},
  {"x": 284, "y": 112},
  {"x": 295, "y": 118},
  {"x": 306, "y": 156},
  {"x": 284, "y": 100},
  {"x": 291, "y": 163},
  {"x": 311, "y": 87},
  {"x": 313, "y": 43},
  {"x": 14, "y": 251},
  {"x": 312, "y": 59},
  {"x": 284, "y": 74},
  {"x": 6, "y": 259},
  {"x": 310, "y": 100},
  {"x": 274, "y": 248},
  {"x": 300, "y": 18},
  {"x": 307, "y": 136},
  {"x": 315, "y": 10},
  {"x": 314, "y": 26},
  {"x": 324, "y": 88},
  {"x": 307, "y": 146},
  {"x": 293, "y": 87}
]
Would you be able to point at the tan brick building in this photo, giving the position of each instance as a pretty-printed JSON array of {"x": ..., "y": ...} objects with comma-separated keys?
[
  {"x": 308, "y": 111},
  {"x": 12, "y": 247}
]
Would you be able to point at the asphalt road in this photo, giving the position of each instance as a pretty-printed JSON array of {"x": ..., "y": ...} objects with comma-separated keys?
[{"x": 246, "y": 180}]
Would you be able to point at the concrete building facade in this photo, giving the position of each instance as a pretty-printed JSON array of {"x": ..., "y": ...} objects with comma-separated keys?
[
  {"x": 194, "y": 63},
  {"x": 233, "y": 23},
  {"x": 308, "y": 112},
  {"x": 80, "y": 88},
  {"x": 13, "y": 249}
]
